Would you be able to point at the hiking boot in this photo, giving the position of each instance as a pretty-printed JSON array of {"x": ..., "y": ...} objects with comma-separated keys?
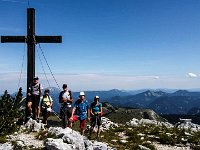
[{"x": 64, "y": 127}]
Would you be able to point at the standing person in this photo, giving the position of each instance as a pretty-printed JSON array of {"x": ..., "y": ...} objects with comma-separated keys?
[
  {"x": 82, "y": 110},
  {"x": 34, "y": 93},
  {"x": 46, "y": 106},
  {"x": 65, "y": 100},
  {"x": 95, "y": 112}
]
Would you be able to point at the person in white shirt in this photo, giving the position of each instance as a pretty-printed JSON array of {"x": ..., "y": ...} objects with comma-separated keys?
[
  {"x": 65, "y": 100},
  {"x": 34, "y": 93}
]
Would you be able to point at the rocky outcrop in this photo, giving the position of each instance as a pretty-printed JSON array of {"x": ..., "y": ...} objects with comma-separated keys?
[
  {"x": 135, "y": 123},
  {"x": 25, "y": 140},
  {"x": 6, "y": 146},
  {"x": 184, "y": 124},
  {"x": 107, "y": 124},
  {"x": 68, "y": 139},
  {"x": 33, "y": 125},
  {"x": 187, "y": 124},
  {"x": 65, "y": 139}
]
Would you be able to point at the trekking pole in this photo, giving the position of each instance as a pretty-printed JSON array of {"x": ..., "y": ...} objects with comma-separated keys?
[{"x": 56, "y": 114}]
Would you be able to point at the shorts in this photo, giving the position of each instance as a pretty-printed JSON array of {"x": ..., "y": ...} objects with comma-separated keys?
[
  {"x": 95, "y": 120},
  {"x": 44, "y": 112},
  {"x": 82, "y": 122},
  {"x": 29, "y": 99},
  {"x": 67, "y": 111},
  {"x": 35, "y": 99}
]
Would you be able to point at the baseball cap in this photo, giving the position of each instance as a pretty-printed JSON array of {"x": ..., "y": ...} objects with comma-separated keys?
[
  {"x": 35, "y": 78},
  {"x": 64, "y": 86}
]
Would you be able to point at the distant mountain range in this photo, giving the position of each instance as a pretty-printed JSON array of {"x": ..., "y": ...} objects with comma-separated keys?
[
  {"x": 162, "y": 101},
  {"x": 104, "y": 95},
  {"x": 177, "y": 102},
  {"x": 141, "y": 100}
]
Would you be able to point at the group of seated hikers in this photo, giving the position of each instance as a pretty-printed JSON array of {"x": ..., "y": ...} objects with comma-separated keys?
[{"x": 69, "y": 111}]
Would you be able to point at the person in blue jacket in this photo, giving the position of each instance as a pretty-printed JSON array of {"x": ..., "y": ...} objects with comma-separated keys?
[{"x": 81, "y": 112}]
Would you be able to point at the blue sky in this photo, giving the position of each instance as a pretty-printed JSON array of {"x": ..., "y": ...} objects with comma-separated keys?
[{"x": 124, "y": 44}]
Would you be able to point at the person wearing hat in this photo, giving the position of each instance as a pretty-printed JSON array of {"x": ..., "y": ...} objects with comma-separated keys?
[
  {"x": 46, "y": 105},
  {"x": 65, "y": 100},
  {"x": 95, "y": 112},
  {"x": 82, "y": 110},
  {"x": 34, "y": 93}
]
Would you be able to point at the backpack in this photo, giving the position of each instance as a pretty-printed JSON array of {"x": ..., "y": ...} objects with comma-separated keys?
[
  {"x": 43, "y": 99},
  {"x": 61, "y": 94},
  {"x": 38, "y": 89}
]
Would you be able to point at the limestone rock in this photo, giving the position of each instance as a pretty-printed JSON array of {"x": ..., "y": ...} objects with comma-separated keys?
[
  {"x": 72, "y": 140},
  {"x": 57, "y": 144},
  {"x": 135, "y": 123},
  {"x": 33, "y": 125},
  {"x": 6, "y": 146}
]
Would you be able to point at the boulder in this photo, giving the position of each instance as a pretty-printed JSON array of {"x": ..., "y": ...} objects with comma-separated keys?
[
  {"x": 60, "y": 132},
  {"x": 143, "y": 148},
  {"x": 135, "y": 123},
  {"x": 189, "y": 125},
  {"x": 72, "y": 140},
  {"x": 6, "y": 146},
  {"x": 33, "y": 125},
  {"x": 99, "y": 146},
  {"x": 57, "y": 144}
]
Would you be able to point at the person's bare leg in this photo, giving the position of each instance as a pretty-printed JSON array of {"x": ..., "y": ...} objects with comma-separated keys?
[
  {"x": 82, "y": 131},
  {"x": 98, "y": 132},
  {"x": 69, "y": 124},
  {"x": 29, "y": 105},
  {"x": 38, "y": 112}
]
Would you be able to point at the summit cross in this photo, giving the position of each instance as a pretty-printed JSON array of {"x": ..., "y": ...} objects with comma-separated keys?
[{"x": 31, "y": 39}]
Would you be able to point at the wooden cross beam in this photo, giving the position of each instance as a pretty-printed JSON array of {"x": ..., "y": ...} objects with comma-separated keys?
[{"x": 31, "y": 39}]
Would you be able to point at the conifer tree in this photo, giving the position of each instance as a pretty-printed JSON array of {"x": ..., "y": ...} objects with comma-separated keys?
[{"x": 10, "y": 111}]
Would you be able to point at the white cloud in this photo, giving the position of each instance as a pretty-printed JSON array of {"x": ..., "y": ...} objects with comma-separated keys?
[
  {"x": 83, "y": 82},
  {"x": 156, "y": 77},
  {"x": 192, "y": 75}
]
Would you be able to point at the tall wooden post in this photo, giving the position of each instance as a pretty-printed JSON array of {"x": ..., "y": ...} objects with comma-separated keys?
[{"x": 30, "y": 45}]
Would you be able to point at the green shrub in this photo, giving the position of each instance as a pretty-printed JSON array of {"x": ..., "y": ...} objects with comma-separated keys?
[
  {"x": 165, "y": 139},
  {"x": 3, "y": 139},
  {"x": 195, "y": 138},
  {"x": 43, "y": 135},
  {"x": 9, "y": 112},
  {"x": 119, "y": 129},
  {"x": 150, "y": 146},
  {"x": 155, "y": 131},
  {"x": 195, "y": 147}
]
